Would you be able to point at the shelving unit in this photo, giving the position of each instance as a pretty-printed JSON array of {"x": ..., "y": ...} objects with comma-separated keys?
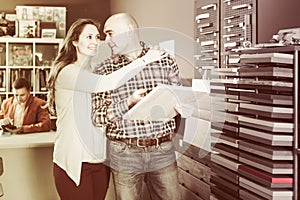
[
  {"x": 255, "y": 100},
  {"x": 221, "y": 25},
  {"x": 238, "y": 24},
  {"x": 31, "y": 58},
  {"x": 256, "y": 156},
  {"x": 206, "y": 34}
]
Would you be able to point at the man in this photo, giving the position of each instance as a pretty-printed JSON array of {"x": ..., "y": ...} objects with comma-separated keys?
[
  {"x": 23, "y": 113},
  {"x": 139, "y": 150}
]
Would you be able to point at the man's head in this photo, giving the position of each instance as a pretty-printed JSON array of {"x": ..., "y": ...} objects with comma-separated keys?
[
  {"x": 21, "y": 90},
  {"x": 122, "y": 34}
]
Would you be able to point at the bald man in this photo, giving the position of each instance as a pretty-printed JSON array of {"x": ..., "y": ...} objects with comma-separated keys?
[{"x": 139, "y": 150}]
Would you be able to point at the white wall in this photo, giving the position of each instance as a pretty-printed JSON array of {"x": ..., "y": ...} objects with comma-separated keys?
[
  {"x": 177, "y": 15},
  {"x": 173, "y": 14}
]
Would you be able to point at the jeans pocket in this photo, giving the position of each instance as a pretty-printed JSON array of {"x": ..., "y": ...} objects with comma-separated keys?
[
  {"x": 166, "y": 147},
  {"x": 117, "y": 147}
]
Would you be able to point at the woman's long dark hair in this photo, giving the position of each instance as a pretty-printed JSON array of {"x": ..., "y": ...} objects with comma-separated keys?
[{"x": 66, "y": 55}]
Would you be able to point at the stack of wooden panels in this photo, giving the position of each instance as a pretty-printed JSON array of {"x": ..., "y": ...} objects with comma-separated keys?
[
  {"x": 224, "y": 133},
  {"x": 266, "y": 126},
  {"x": 253, "y": 156},
  {"x": 194, "y": 170}
]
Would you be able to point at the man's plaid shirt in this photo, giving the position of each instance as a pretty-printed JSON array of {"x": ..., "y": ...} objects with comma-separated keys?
[{"x": 164, "y": 71}]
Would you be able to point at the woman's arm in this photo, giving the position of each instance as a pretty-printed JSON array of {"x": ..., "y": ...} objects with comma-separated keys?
[
  {"x": 121, "y": 76},
  {"x": 74, "y": 78}
]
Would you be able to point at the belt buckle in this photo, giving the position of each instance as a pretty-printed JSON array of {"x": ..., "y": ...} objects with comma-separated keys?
[
  {"x": 138, "y": 143},
  {"x": 157, "y": 143}
]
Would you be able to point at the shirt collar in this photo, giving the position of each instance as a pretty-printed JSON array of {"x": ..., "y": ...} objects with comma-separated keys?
[{"x": 120, "y": 58}]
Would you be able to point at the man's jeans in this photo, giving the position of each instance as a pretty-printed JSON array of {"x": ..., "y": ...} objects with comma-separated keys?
[{"x": 155, "y": 165}]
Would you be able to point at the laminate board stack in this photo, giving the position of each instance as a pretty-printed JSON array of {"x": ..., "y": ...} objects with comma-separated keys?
[
  {"x": 253, "y": 127},
  {"x": 266, "y": 126},
  {"x": 225, "y": 152}
]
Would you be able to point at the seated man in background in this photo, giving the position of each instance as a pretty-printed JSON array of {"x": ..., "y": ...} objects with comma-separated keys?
[{"x": 24, "y": 113}]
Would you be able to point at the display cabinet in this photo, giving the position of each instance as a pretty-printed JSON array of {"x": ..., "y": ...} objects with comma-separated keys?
[{"x": 30, "y": 58}]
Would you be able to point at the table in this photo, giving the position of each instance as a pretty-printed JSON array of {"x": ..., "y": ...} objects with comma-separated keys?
[{"x": 27, "y": 166}]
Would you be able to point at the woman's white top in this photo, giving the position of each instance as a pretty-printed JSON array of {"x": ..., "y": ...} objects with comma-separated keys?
[{"x": 78, "y": 140}]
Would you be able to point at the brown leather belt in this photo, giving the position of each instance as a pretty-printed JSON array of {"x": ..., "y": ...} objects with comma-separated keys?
[{"x": 141, "y": 142}]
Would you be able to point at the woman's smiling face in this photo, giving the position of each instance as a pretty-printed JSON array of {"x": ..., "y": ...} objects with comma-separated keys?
[{"x": 88, "y": 41}]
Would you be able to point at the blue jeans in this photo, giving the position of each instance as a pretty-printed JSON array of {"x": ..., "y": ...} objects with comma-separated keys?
[{"x": 157, "y": 166}]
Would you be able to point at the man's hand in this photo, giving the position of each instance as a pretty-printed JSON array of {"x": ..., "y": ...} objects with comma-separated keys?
[
  {"x": 185, "y": 110},
  {"x": 136, "y": 97},
  {"x": 5, "y": 121},
  {"x": 15, "y": 131},
  {"x": 155, "y": 53}
]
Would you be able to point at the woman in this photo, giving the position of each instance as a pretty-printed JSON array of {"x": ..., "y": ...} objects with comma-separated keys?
[{"x": 79, "y": 149}]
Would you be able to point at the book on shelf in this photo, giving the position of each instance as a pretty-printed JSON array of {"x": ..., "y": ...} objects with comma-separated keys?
[
  {"x": 2, "y": 80},
  {"x": 41, "y": 79},
  {"x": 18, "y": 73},
  {"x": 37, "y": 80}
]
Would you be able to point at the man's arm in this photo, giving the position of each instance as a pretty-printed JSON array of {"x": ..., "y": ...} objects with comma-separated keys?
[
  {"x": 43, "y": 122},
  {"x": 118, "y": 109}
]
